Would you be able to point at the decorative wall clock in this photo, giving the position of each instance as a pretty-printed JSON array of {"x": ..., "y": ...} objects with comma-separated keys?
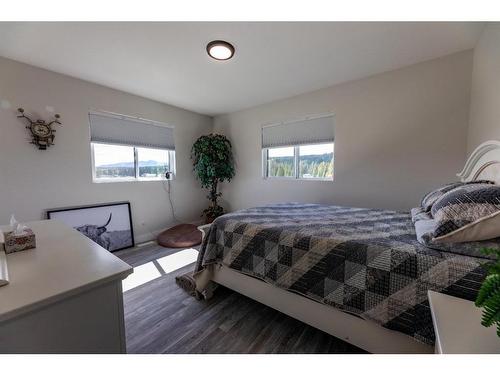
[{"x": 42, "y": 133}]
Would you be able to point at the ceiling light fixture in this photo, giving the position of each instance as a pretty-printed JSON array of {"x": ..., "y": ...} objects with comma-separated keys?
[{"x": 220, "y": 50}]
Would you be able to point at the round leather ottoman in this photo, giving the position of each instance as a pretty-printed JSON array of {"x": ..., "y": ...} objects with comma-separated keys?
[{"x": 182, "y": 235}]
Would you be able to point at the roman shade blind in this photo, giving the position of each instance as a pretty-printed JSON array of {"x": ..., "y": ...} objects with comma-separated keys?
[
  {"x": 299, "y": 132},
  {"x": 123, "y": 130}
]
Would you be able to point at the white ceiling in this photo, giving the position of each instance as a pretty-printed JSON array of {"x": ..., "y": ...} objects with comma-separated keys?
[{"x": 168, "y": 62}]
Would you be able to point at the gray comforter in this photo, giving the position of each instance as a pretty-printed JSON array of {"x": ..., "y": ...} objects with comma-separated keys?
[{"x": 363, "y": 261}]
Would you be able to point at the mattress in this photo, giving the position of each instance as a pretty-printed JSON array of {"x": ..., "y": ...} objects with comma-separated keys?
[{"x": 365, "y": 262}]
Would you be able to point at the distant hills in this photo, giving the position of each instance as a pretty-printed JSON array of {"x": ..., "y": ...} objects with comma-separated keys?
[{"x": 143, "y": 163}]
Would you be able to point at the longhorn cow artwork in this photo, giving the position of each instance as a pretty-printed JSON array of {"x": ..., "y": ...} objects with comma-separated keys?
[
  {"x": 109, "y": 225},
  {"x": 95, "y": 233}
]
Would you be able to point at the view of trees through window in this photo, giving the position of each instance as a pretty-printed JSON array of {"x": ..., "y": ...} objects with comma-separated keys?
[
  {"x": 315, "y": 161},
  {"x": 280, "y": 162},
  {"x": 118, "y": 162}
]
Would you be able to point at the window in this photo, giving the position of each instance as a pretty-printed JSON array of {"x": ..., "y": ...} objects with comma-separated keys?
[
  {"x": 299, "y": 149},
  {"x": 113, "y": 162},
  {"x": 128, "y": 149},
  {"x": 280, "y": 162},
  {"x": 127, "y": 163},
  {"x": 152, "y": 163},
  {"x": 300, "y": 162},
  {"x": 316, "y": 161}
]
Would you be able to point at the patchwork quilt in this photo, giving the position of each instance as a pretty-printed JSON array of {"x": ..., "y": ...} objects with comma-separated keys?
[{"x": 363, "y": 261}]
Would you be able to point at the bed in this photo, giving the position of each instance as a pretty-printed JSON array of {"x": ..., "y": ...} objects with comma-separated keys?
[{"x": 357, "y": 274}]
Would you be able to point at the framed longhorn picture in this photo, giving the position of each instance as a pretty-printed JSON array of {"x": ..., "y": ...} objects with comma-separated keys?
[{"x": 109, "y": 224}]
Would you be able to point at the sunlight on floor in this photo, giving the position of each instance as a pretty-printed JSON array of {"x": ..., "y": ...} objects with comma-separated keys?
[
  {"x": 142, "y": 274},
  {"x": 161, "y": 266},
  {"x": 178, "y": 260}
]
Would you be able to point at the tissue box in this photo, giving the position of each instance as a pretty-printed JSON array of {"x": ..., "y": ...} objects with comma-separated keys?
[{"x": 13, "y": 243}]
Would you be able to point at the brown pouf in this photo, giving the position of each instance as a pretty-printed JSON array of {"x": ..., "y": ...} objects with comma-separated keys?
[{"x": 182, "y": 235}]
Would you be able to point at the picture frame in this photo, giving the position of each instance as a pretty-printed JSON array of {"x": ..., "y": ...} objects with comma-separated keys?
[{"x": 107, "y": 224}]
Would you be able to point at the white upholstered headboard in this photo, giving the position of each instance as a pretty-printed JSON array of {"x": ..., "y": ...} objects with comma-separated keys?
[{"x": 483, "y": 163}]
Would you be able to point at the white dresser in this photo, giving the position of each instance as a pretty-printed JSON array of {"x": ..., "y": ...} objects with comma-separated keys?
[
  {"x": 457, "y": 324},
  {"x": 65, "y": 296}
]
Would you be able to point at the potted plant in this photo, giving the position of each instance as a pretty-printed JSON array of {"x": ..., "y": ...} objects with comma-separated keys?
[
  {"x": 213, "y": 163},
  {"x": 489, "y": 295}
]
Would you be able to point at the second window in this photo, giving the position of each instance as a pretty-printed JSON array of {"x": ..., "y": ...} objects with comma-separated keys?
[{"x": 311, "y": 162}]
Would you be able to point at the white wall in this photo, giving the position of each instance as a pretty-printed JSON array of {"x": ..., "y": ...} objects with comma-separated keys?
[
  {"x": 32, "y": 180},
  {"x": 485, "y": 94},
  {"x": 398, "y": 134}
]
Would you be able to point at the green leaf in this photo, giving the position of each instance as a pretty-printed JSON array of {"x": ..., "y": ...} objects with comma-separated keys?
[
  {"x": 489, "y": 295},
  {"x": 490, "y": 286}
]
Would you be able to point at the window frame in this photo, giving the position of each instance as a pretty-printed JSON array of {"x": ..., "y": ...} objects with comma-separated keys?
[
  {"x": 296, "y": 160},
  {"x": 137, "y": 178}
]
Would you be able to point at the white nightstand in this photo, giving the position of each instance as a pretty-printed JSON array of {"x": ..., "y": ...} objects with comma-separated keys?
[{"x": 457, "y": 324}]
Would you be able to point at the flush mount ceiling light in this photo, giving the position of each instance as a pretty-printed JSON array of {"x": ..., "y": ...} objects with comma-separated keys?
[{"x": 220, "y": 50}]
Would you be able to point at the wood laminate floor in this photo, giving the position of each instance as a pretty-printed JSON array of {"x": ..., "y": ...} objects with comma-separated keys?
[{"x": 162, "y": 318}]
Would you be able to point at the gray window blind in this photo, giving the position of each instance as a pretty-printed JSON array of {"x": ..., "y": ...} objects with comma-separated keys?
[
  {"x": 123, "y": 130},
  {"x": 306, "y": 131}
]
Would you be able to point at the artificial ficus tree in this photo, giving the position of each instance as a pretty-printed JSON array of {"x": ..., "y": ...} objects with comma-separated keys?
[{"x": 212, "y": 163}]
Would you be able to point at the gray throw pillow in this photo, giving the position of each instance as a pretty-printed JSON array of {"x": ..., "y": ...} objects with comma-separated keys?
[
  {"x": 467, "y": 213},
  {"x": 431, "y": 197}
]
